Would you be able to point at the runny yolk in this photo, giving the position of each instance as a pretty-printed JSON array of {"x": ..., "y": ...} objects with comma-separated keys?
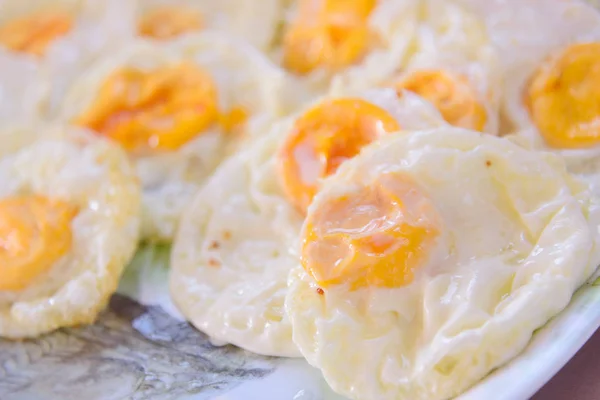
[
  {"x": 154, "y": 110},
  {"x": 33, "y": 34},
  {"x": 35, "y": 232},
  {"x": 323, "y": 138},
  {"x": 167, "y": 22},
  {"x": 376, "y": 236},
  {"x": 331, "y": 34},
  {"x": 563, "y": 98},
  {"x": 452, "y": 95}
]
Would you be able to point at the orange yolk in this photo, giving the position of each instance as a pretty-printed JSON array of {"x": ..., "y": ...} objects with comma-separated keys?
[
  {"x": 168, "y": 22},
  {"x": 35, "y": 232},
  {"x": 234, "y": 120},
  {"x": 376, "y": 236},
  {"x": 452, "y": 95},
  {"x": 323, "y": 138},
  {"x": 157, "y": 110},
  {"x": 327, "y": 33},
  {"x": 34, "y": 33},
  {"x": 563, "y": 98}
]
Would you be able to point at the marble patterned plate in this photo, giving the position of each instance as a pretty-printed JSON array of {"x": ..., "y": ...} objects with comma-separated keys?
[{"x": 137, "y": 351}]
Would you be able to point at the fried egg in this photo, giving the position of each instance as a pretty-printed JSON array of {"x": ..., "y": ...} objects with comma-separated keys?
[
  {"x": 69, "y": 223},
  {"x": 234, "y": 247},
  {"x": 450, "y": 61},
  {"x": 453, "y": 64},
  {"x": 31, "y": 27},
  {"x": 551, "y": 58},
  {"x": 439, "y": 49},
  {"x": 166, "y": 19},
  {"x": 58, "y": 39},
  {"x": 430, "y": 259},
  {"x": 357, "y": 41},
  {"x": 176, "y": 108},
  {"x": 34, "y": 28}
]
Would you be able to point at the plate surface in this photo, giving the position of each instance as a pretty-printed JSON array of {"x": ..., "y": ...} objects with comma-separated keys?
[{"x": 138, "y": 351}]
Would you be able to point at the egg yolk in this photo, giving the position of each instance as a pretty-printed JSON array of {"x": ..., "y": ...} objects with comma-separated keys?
[
  {"x": 34, "y": 33},
  {"x": 158, "y": 110},
  {"x": 376, "y": 236},
  {"x": 35, "y": 232},
  {"x": 234, "y": 120},
  {"x": 452, "y": 95},
  {"x": 331, "y": 34},
  {"x": 168, "y": 22},
  {"x": 563, "y": 98},
  {"x": 323, "y": 138}
]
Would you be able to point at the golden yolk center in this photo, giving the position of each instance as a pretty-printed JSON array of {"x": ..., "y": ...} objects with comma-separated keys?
[
  {"x": 234, "y": 120},
  {"x": 158, "y": 110},
  {"x": 168, "y": 22},
  {"x": 34, "y": 33},
  {"x": 323, "y": 138},
  {"x": 35, "y": 232},
  {"x": 452, "y": 95},
  {"x": 563, "y": 98},
  {"x": 376, "y": 236},
  {"x": 328, "y": 33}
]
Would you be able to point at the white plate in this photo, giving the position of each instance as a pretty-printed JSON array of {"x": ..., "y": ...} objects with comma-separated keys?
[{"x": 550, "y": 349}]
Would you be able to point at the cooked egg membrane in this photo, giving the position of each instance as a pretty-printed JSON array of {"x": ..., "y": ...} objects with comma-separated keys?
[
  {"x": 431, "y": 258},
  {"x": 549, "y": 52},
  {"x": 69, "y": 223},
  {"x": 166, "y": 19},
  {"x": 234, "y": 86},
  {"x": 235, "y": 244}
]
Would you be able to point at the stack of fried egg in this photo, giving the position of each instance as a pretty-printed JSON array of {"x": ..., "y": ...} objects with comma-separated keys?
[{"x": 399, "y": 191}]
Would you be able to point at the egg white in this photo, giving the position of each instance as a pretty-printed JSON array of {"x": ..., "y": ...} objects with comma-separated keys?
[
  {"x": 243, "y": 77},
  {"x": 95, "y": 175},
  {"x": 21, "y": 91},
  {"x": 518, "y": 236},
  {"x": 235, "y": 244}
]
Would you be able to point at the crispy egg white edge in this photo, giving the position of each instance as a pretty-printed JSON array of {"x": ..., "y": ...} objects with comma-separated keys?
[
  {"x": 259, "y": 89},
  {"x": 243, "y": 280},
  {"x": 105, "y": 230},
  {"x": 310, "y": 312}
]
